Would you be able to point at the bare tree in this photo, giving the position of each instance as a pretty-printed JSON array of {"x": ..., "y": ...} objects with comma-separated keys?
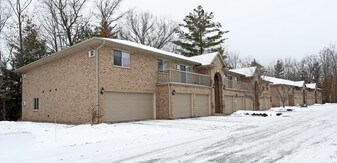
[
  {"x": 50, "y": 23},
  {"x": 108, "y": 17},
  {"x": 290, "y": 70},
  {"x": 233, "y": 60},
  {"x": 254, "y": 87},
  {"x": 283, "y": 94},
  {"x": 328, "y": 58},
  {"x": 68, "y": 15},
  {"x": 146, "y": 29},
  {"x": 246, "y": 62},
  {"x": 18, "y": 7},
  {"x": 4, "y": 15}
]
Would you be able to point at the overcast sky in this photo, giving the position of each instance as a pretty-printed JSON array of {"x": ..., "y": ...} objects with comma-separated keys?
[{"x": 264, "y": 29}]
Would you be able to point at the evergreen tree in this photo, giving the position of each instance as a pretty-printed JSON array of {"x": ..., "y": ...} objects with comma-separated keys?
[
  {"x": 202, "y": 34},
  {"x": 33, "y": 48},
  {"x": 279, "y": 69},
  {"x": 85, "y": 32}
]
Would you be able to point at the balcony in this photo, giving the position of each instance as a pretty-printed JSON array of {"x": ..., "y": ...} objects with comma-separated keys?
[
  {"x": 231, "y": 84},
  {"x": 176, "y": 76}
]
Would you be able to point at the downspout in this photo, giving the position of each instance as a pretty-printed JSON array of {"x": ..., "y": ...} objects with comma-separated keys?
[{"x": 97, "y": 80}]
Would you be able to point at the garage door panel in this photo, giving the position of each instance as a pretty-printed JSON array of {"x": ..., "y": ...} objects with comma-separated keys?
[
  {"x": 202, "y": 105},
  {"x": 239, "y": 103},
  {"x": 249, "y": 104},
  {"x": 128, "y": 106},
  {"x": 228, "y": 104},
  {"x": 182, "y": 105}
]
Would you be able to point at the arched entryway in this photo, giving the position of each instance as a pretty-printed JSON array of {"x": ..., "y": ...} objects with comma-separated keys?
[{"x": 218, "y": 93}]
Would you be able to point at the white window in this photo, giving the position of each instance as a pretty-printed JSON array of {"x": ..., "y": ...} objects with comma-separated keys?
[
  {"x": 121, "y": 58},
  {"x": 163, "y": 65}
]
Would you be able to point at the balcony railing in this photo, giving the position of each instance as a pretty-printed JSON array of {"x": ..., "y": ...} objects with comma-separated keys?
[
  {"x": 231, "y": 84},
  {"x": 176, "y": 76}
]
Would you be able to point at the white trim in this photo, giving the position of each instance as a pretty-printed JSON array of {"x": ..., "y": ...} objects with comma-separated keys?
[{"x": 122, "y": 52}]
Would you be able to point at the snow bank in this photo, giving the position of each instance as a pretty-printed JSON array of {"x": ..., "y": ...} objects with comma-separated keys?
[
  {"x": 242, "y": 113},
  {"x": 296, "y": 136}
]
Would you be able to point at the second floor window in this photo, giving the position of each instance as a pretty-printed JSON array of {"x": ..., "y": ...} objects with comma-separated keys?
[
  {"x": 163, "y": 65},
  {"x": 121, "y": 58}
]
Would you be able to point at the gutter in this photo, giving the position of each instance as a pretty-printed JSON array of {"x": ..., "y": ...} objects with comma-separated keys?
[{"x": 97, "y": 79}]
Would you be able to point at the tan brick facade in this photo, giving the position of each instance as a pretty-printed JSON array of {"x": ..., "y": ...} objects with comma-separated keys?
[
  {"x": 65, "y": 88},
  {"x": 67, "y": 91},
  {"x": 66, "y": 85}
]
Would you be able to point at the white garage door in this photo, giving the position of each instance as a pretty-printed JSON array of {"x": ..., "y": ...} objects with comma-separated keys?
[
  {"x": 228, "y": 104},
  {"x": 122, "y": 106},
  {"x": 182, "y": 105},
  {"x": 202, "y": 105},
  {"x": 239, "y": 103},
  {"x": 261, "y": 104},
  {"x": 249, "y": 104}
]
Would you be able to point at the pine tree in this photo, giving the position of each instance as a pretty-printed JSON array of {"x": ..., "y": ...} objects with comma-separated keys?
[
  {"x": 279, "y": 69},
  {"x": 33, "y": 48},
  {"x": 202, "y": 34}
]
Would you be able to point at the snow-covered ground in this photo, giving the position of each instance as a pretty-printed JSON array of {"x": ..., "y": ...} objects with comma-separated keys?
[{"x": 302, "y": 135}]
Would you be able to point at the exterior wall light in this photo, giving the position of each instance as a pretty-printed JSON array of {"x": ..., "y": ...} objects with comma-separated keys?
[
  {"x": 174, "y": 92},
  {"x": 102, "y": 90},
  {"x": 224, "y": 87}
]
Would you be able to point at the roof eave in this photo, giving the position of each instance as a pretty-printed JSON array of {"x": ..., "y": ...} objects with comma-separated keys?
[{"x": 54, "y": 56}]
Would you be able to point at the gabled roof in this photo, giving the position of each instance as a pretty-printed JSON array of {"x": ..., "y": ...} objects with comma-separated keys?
[
  {"x": 95, "y": 42},
  {"x": 200, "y": 60},
  {"x": 247, "y": 71},
  {"x": 206, "y": 59},
  {"x": 278, "y": 81}
]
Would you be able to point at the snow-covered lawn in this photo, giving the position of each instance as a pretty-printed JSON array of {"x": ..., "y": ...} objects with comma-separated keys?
[{"x": 302, "y": 135}]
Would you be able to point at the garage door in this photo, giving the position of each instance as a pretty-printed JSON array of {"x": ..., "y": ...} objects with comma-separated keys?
[
  {"x": 249, "y": 104},
  {"x": 122, "y": 106},
  {"x": 202, "y": 105},
  {"x": 182, "y": 105},
  {"x": 228, "y": 104},
  {"x": 261, "y": 104},
  {"x": 239, "y": 103}
]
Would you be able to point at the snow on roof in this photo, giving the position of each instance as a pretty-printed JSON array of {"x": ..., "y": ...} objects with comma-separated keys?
[
  {"x": 278, "y": 81},
  {"x": 247, "y": 71},
  {"x": 311, "y": 86},
  {"x": 148, "y": 48},
  {"x": 205, "y": 59}
]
